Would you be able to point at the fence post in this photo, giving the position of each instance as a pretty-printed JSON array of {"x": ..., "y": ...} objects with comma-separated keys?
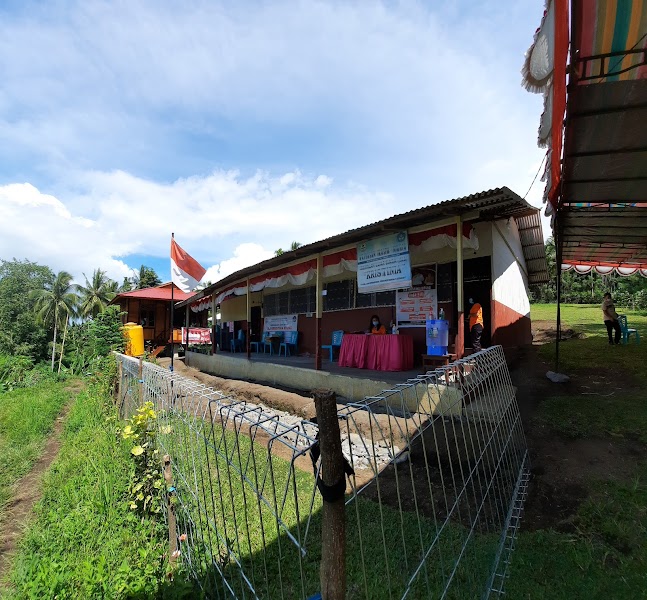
[
  {"x": 120, "y": 371},
  {"x": 332, "y": 572},
  {"x": 141, "y": 380},
  {"x": 170, "y": 510}
]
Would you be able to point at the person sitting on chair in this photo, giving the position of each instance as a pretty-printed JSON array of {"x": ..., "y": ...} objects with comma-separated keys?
[
  {"x": 376, "y": 327},
  {"x": 476, "y": 324},
  {"x": 611, "y": 318}
]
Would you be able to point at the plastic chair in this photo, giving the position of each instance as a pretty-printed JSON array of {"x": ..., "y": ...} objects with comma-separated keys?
[
  {"x": 289, "y": 339},
  {"x": 627, "y": 331},
  {"x": 238, "y": 344},
  {"x": 254, "y": 346},
  {"x": 268, "y": 343},
  {"x": 335, "y": 342}
]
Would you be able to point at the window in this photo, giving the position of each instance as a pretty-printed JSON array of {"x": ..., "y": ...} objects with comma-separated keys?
[
  {"x": 339, "y": 295},
  {"x": 375, "y": 299},
  {"x": 147, "y": 317},
  {"x": 297, "y": 301},
  {"x": 445, "y": 282}
]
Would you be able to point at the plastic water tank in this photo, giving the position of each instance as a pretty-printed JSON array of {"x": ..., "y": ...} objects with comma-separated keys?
[
  {"x": 437, "y": 336},
  {"x": 134, "y": 335}
]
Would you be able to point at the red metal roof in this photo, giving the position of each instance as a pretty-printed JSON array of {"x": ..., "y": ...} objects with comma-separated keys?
[{"x": 160, "y": 292}]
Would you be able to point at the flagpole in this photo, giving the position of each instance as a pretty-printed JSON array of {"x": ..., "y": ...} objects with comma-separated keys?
[{"x": 172, "y": 303}]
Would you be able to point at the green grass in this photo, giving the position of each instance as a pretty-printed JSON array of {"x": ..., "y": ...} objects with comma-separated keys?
[
  {"x": 393, "y": 542},
  {"x": 593, "y": 352},
  {"x": 84, "y": 541},
  {"x": 605, "y": 556},
  {"x": 27, "y": 416},
  {"x": 617, "y": 416}
]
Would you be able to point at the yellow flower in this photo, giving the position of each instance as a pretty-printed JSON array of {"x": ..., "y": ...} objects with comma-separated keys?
[{"x": 137, "y": 451}]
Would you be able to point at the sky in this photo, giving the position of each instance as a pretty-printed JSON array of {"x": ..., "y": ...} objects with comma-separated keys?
[{"x": 244, "y": 126}]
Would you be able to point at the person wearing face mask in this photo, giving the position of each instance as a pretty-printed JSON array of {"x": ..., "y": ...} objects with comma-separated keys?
[
  {"x": 376, "y": 327},
  {"x": 476, "y": 324}
]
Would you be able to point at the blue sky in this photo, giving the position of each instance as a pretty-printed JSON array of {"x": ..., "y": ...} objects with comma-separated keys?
[{"x": 245, "y": 126}]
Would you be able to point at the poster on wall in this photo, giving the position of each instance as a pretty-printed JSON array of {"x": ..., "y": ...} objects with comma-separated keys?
[
  {"x": 415, "y": 306},
  {"x": 280, "y": 323},
  {"x": 383, "y": 263},
  {"x": 197, "y": 335}
]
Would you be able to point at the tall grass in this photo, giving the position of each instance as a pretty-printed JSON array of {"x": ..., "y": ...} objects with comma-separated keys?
[
  {"x": 27, "y": 416},
  {"x": 85, "y": 542}
]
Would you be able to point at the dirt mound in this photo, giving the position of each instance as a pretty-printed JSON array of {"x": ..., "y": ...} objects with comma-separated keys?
[{"x": 544, "y": 332}]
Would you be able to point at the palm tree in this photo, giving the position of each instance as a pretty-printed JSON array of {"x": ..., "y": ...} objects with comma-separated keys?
[
  {"x": 295, "y": 245},
  {"x": 96, "y": 294},
  {"x": 279, "y": 252},
  {"x": 55, "y": 302}
]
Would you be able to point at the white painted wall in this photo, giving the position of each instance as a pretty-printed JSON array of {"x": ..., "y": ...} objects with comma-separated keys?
[{"x": 510, "y": 286}]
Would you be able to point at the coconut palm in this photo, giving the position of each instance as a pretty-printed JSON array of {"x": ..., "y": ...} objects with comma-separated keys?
[
  {"x": 55, "y": 303},
  {"x": 95, "y": 294},
  {"x": 295, "y": 245}
]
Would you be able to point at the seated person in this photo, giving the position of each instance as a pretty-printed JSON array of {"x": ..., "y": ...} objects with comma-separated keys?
[{"x": 376, "y": 327}]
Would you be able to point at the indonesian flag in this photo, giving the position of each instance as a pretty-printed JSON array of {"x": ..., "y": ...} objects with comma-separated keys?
[{"x": 186, "y": 272}]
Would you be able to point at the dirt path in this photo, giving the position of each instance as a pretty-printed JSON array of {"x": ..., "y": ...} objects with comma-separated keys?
[{"x": 18, "y": 510}]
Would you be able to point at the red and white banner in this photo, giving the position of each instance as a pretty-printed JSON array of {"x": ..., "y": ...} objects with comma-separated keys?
[
  {"x": 346, "y": 260},
  {"x": 186, "y": 272},
  {"x": 197, "y": 335}
]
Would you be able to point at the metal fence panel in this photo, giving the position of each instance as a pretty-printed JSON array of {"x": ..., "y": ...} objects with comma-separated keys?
[{"x": 441, "y": 474}]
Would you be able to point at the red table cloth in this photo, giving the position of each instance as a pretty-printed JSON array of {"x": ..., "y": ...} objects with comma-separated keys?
[{"x": 377, "y": 352}]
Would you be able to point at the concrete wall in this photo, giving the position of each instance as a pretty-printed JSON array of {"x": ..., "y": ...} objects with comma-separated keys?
[
  {"x": 510, "y": 303},
  {"x": 272, "y": 374}
]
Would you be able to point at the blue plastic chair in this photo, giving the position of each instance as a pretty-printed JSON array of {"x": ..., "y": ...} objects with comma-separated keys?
[
  {"x": 627, "y": 331},
  {"x": 268, "y": 343},
  {"x": 289, "y": 339},
  {"x": 254, "y": 346},
  {"x": 335, "y": 342},
  {"x": 238, "y": 344}
]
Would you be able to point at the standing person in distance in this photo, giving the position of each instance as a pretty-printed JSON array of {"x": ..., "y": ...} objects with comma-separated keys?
[
  {"x": 611, "y": 319},
  {"x": 476, "y": 324}
]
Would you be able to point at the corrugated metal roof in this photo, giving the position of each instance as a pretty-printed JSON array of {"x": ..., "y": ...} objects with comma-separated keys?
[
  {"x": 534, "y": 252},
  {"x": 160, "y": 292},
  {"x": 499, "y": 203}
]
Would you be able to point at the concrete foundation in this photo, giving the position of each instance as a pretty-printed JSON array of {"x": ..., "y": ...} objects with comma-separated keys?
[{"x": 349, "y": 388}]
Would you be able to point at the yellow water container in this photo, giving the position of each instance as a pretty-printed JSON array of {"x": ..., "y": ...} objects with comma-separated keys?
[{"x": 134, "y": 339}]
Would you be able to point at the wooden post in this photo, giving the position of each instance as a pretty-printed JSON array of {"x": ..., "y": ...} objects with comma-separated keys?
[
  {"x": 332, "y": 572},
  {"x": 460, "y": 300},
  {"x": 248, "y": 343},
  {"x": 319, "y": 311},
  {"x": 170, "y": 508}
]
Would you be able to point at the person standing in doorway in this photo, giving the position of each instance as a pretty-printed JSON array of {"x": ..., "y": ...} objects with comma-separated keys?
[
  {"x": 611, "y": 319},
  {"x": 476, "y": 324}
]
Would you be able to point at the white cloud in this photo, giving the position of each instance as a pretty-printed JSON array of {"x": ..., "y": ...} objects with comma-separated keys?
[
  {"x": 244, "y": 255},
  {"x": 223, "y": 220}
]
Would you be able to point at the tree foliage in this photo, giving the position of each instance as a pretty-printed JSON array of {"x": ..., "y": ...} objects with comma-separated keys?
[
  {"x": 20, "y": 331},
  {"x": 96, "y": 294},
  {"x": 55, "y": 303},
  {"x": 145, "y": 278},
  {"x": 630, "y": 292}
]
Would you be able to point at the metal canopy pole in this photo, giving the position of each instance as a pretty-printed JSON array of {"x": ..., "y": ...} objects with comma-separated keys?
[{"x": 558, "y": 264}]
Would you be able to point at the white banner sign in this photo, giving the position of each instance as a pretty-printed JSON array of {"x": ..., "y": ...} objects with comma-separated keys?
[
  {"x": 197, "y": 335},
  {"x": 281, "y": 323},
  {"x": 416, "y": 305},
  {"x": 383, "y": 263}
]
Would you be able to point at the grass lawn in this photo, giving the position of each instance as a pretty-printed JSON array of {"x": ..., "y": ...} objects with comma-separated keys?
[
  {"x": 26, "y": 418},
  {"x": 604, "y": 554}
]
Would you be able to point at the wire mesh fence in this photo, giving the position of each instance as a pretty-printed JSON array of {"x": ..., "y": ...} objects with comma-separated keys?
[{"x": 440, "y": 473}]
